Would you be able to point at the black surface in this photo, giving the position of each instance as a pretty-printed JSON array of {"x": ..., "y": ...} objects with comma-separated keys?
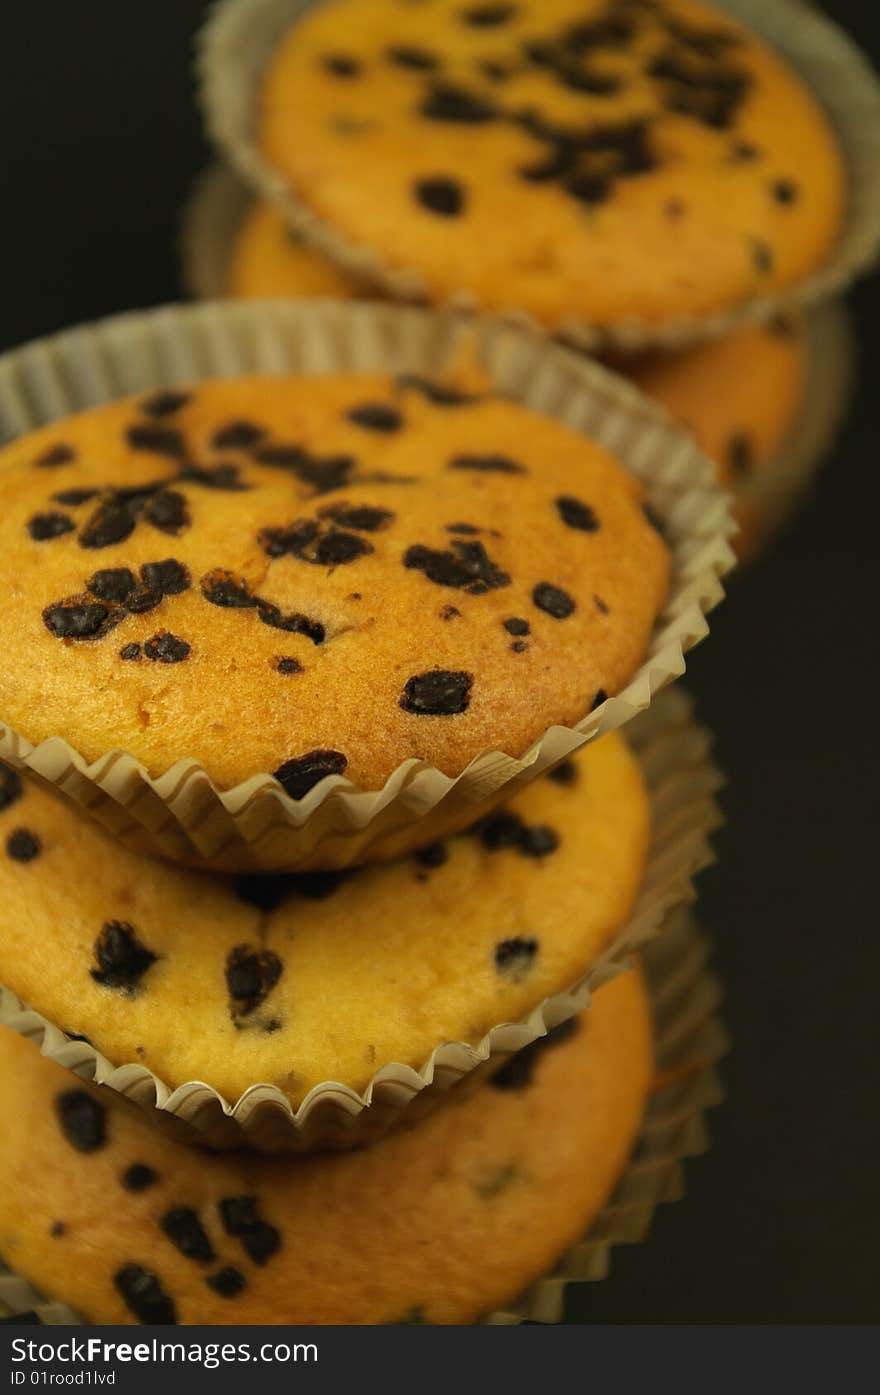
[{"x": 100, "y": 142}]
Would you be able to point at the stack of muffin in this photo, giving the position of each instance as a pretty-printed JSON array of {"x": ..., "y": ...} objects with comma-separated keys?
[{"x": 320, "y": 617}]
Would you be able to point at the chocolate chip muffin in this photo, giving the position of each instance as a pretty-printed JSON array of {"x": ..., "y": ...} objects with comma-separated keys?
[
  {"x": 317, "y": 576},
  {"x": 740, "y": 396},
  {"x": 296, "y": 980},
  {"x": 267, "y": 259},
  {"x": 583, "y": 160},
  {"x": 101, "y": 1212}
]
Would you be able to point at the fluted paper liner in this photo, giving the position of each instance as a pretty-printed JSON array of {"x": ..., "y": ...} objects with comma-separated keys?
[
  {"x": 682, "y": 782},
  {"x": 688, "y": 1042},
  {"x": 219, "y": 202},
  {"x": 240, "y": 36},
  {"x": 256, "y": 826}
]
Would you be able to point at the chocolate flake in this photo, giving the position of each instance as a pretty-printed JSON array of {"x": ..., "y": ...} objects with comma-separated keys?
[
  {"x": 488, "y": 464},
  {"x": 23, "y": 846},
  {"x": 432, "y": 856},
  {"x": 225, "y": 589},
  {"x": 79, "y": 617},
  {"x": 437, "y": 693},
  {"x": 121, "y": 957},
  {"x": 376, "y": 416},
  {"x": 55, "y": 455},
  {"x": 237, "y": 435},
  {"x": 518, "y": 1072},
  {"x": 539, "y": 840},
  {"x": 576, "y": 514},
  {"x": 516, "y": 626},
  {"x": 488, "y": 16},
  {"x": 10, "y": 786},
  {"x": 130, "y": 651},
  {"x": 167, "y": 510},
  {"x": 164, "y": 403},
  {"x": 74, "y": 497},
  {"x": 740, "y": 454},
  {"x": 45, "y": 526},
  {"x": 286, "y": 665},
  {"x": 514, "y": 958},
  {"x": 162, "y": 440},
  {"x": 227, "y": 1282},
  {"x": 144, "y": 1296},
  {"x": 784, "y": 191},
  {"x": 112, "y": 522},
  {"x": 166, "y": 648},
  {"x": 241, "y": 1219},
  {"x": 139, "y": 1177},
  {"x": 112, "y": 584},
  {"x": 341, "y": 65},
  {"x": 601, "y": 696},
  {"x": 186, "y": 1232},
  {"x": 442, "y": 195},
  {"x": 553, "y": 600},
  {"x": 447, "y": 102},
  {"x": 467, "y": 567},
  {"x": 251, "y": 974},
  {"x": 170, "y": 577},
  {"x": 566, "y": 773},
  {"x": 360, "y": 517},
  {"x": 302, "y": 773},
  {"x": 407, "y": 56},
  {"x": 82, "y": 1119}
]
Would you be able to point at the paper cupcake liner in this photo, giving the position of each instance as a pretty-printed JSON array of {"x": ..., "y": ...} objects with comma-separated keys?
[
  {"x": 689, "y": 1040},
  {"x": 772, "y": 495},
  {"x": 240, "y": 36},
  {"x": 256, "y": 826},
  {"x": 682, "y": 781}
]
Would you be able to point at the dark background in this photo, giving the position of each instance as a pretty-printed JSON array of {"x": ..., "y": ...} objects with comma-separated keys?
[{"x": 100, "y": 143}]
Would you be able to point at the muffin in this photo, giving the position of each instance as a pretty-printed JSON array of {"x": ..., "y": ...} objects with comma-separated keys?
[
  {"x": 528, "y": 155},
  {"x": 101, "y": 1212},
  {"x": 294, "y": 981},
  {"x": 741, "y": 396},
  {"x": 317, "y": 576}
]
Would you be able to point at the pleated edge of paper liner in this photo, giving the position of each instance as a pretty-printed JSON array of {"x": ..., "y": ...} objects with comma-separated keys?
[
  {"x": 689, "y": 1042},
  {"x": 256, "y": 826},
  {"x": 239, "y": 36},
  {"x": 219, "y": 200},
  {"x": 674, "y": 753}
]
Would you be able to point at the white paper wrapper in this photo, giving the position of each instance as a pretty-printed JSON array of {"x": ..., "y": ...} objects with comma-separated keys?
[
  {"x": 240, "y": 36},
  {"x": 682, "y": 782},
  {"x": 689, "y": 1041},
  {"x": 180, "y": 814}
]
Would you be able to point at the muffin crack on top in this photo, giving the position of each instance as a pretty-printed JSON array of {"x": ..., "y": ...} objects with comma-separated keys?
[
  {"x": 318, "y": 576},
  {"x": 577, "y": 159}
]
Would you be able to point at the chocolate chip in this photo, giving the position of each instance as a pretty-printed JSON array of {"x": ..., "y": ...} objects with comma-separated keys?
[
  {"x": 440, "y": 394},
  {"x": 433, "y": 856},
  {"x": 10, "y": 786},
  {"x": 336, "y": 549},
  {"x": 575, "y": 514},
  {"x": 240, "y": 1218},
  {"x": 302, "y": 773},
  {"x": 237, "y": 435},
  {"x": 57, "y": 1229},
  {"x": 112, "y": 522},
  {"x": 144, "y": 1296},
  {"x": 743, "y": 151},
  {"x": 44, "y": 526},
  {"x": 225, "y": 589},
  {"x": 169, "y": 577},
  {"x": 538, "y": 840},
  {"x": 82, "y": 1119},
  {"x": 317, "y": 886},
  {"x": 162, "y": 440},
  {"x": 488, "y": 16},
  {"x": 121, "y": 957},
  {"x": 220, "y": 477},
  {"x": 143, "y": 599},
  {"x": 228, "y": 1282},
  {"x": 466, "y": 567},
  {"x": 784, "y": 191},
  {"x": 439, "y": 692},
  {"x": 553, "y": 600},
  {"x": 405, "y": 56},
  {"x": 251, "y": 974},
  {"x": 112, "y": 584},
  {"x": 450, "y": 612},
  {"x": 360, "y": 517},
  {"x": 167, "y": 511},
  {"x": 166, "y": 648},
  {"x": 22, "y": 845},
  {"x": 468, "y": 529},
  {"x": 266, "y": 891},
  {"x": 139, "y": 1177},
  {"x": 589, "y": 188},
  {"x": 324, "y": 474},
  {"x": 654, "y": 519},
  {"x": 55, "y": 455},
  {"x": 516, "y": 626},
  {"x": 740, "y": 453},
  {"x": 487, "y": 464},
  {"x": 441, "y": 195},
  {"x": 447, "y": 102},
  {"x": 74, "y": 497},
  {"x": 164, "y": 403},
  {"x": 80, "y": 618},
  {"x": 601, "y": 696},
  {"x": 675, "y": 208},
  {"x": 600, "y": 605},
  {"x": 519, "y": 646},
  {"x": 763, "y": 259},
  {"x": 514, "y": 958},
  {"x": 186, "y": 1232},
  {"x": 518, "y": 1072},
  {"x": 130, "y": 651},
  {"x": 565, "y": 773},
  {"x": 503, "y": 830},
  {"x": 376, "y": 416},
  {"x": 287, "y": 666},
  {"x": 292, "y": 624},
  {"x": 341, "y": 65}
]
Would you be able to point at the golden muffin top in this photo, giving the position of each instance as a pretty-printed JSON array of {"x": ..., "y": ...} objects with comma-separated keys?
[
  {"x": 317, "y": 576},
  {"x": 584, "y": 160}
]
